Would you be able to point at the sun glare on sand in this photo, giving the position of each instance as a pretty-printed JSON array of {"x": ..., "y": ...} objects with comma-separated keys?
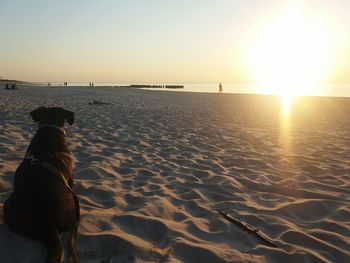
[{"x": 290, "y": 54}]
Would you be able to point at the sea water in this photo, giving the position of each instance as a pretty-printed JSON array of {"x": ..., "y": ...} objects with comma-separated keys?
[{"x": 333, "y": 89}]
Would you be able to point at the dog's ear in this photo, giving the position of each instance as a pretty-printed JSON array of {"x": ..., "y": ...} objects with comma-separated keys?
[
  {"x": 70, "y": 117},
  {"x": 37, "y": 114}
]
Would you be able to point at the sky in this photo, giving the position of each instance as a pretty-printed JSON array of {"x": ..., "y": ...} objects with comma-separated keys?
[{"x": 182, "y": 41}]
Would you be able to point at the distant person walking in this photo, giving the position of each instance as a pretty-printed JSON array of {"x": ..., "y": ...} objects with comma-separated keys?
[{"x": 220, "y": 88}]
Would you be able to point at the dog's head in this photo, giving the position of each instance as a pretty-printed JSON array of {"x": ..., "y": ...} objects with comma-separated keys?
[{"x": 52, "y": 115}]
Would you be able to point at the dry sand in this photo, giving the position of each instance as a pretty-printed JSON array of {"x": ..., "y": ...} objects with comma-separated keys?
[{"x": 152, "y": 168}]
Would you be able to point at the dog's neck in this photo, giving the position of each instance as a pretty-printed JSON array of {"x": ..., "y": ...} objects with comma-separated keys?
[{"x": 61, "y": 129}]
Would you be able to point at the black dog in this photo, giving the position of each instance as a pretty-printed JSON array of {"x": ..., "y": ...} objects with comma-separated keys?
[{"x": 42, "y": 204}]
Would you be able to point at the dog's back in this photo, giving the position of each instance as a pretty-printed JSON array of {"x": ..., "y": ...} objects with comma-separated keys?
[{"x": 42, "y": 204}]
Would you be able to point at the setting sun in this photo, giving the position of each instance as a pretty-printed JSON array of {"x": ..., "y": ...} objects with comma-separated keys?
[{"x": 290, "y": 53}]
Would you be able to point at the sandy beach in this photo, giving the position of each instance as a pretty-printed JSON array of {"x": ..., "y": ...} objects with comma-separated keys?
[{"x": 153, "y": 168}]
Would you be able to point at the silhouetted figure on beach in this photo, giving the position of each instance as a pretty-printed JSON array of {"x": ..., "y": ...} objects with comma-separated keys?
[
  {"x": 13, "y": 86},
  {"x": 7, "y": 86},
  {"x": 220, "y": 88}
]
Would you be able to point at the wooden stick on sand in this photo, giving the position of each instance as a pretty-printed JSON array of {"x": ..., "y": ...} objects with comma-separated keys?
[{"x": 248, "y": 229}]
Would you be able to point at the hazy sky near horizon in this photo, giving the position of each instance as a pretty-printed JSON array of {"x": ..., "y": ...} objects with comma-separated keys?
[{"x": 167, "y": 41}]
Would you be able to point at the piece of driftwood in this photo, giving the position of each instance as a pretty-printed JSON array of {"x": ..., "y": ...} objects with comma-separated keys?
[
  {"x": 96, "y": 102},
  {"x": 249, "y": 229}
]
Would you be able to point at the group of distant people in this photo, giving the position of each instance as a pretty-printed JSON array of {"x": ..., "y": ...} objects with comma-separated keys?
[
  {"x": 13, "y": 86},
  {"x": 9, "y": 86}
]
